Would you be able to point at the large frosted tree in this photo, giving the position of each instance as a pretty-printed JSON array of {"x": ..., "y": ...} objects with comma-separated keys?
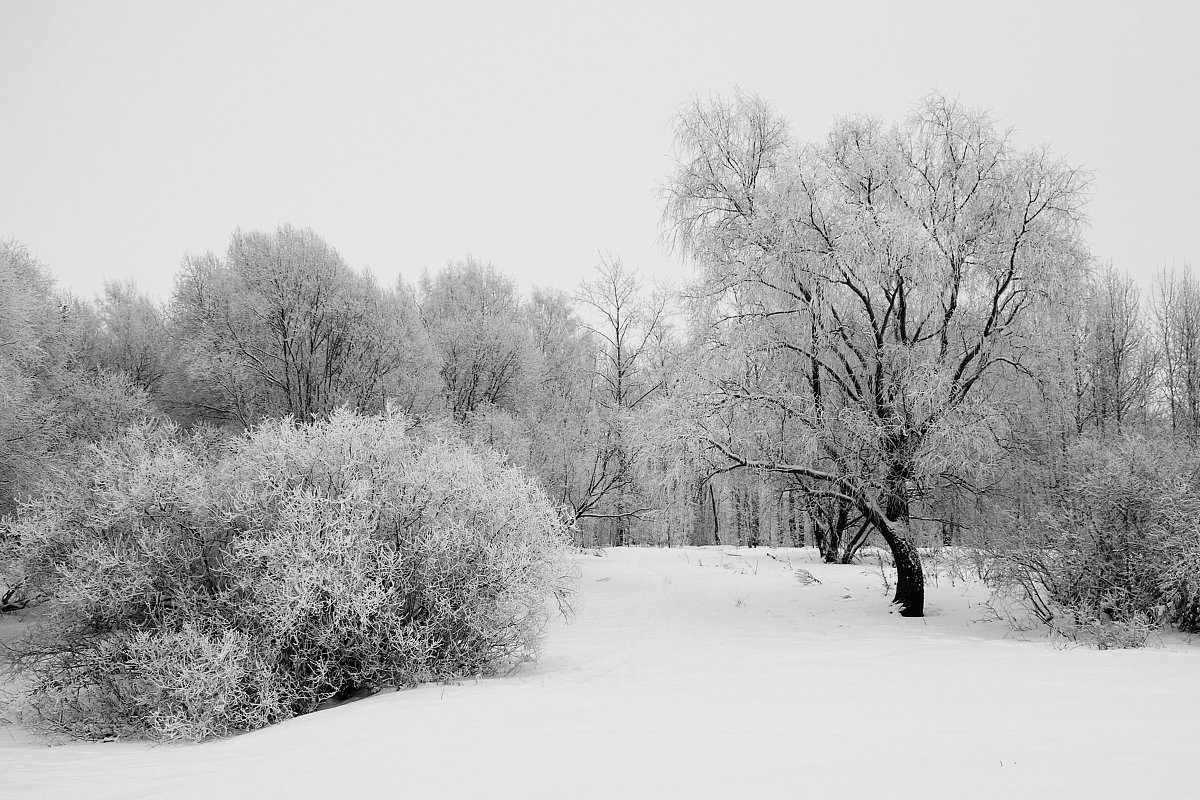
[{"x": 865, "y": 295}]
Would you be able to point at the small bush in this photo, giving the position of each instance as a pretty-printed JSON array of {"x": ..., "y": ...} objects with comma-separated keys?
[{"x": 201, "y": 589}]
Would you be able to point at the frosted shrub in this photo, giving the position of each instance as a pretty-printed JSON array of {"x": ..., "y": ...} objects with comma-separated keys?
[
  {"x": 201, "y": 590},
  {"x": 1117, "y": 552},
  {"x": 197, "y": 682},
  {"x": 371, "y": 559},
  {"x": 128, "y": 548}
]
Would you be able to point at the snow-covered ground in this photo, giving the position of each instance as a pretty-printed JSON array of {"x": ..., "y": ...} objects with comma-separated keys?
[{"x": 706, "y": 672}]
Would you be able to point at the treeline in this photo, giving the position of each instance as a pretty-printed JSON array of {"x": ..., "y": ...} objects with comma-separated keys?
[
  {"x": 896, "y": 335},
  {"x": 280, "y": 326}
]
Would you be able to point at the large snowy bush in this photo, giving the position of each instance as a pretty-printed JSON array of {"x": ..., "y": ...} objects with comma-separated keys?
[
  {"x": 202, "y": 588},
  {"x": 1115, "y": 551}
]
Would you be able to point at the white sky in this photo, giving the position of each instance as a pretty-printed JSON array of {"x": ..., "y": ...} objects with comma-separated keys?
[{"x": 533, "y": 135}]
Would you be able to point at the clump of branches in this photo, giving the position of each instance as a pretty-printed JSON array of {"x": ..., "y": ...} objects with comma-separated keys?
[
  {"x": 1113, "y": 551},
  {"x": 198, "y": 589}
]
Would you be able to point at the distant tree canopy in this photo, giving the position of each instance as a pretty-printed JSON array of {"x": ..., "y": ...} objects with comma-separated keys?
[
  {"x": 282, "y": 326},
  {"x": 474, "y": 318},
  {"x": 130, "y": 335},
  {"x": 52, "y": 403}
]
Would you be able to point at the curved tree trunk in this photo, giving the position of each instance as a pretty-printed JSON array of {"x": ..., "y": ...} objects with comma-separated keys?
[
  {"x": 892, "y": 525},
  {"x": 910, "y": 577}
]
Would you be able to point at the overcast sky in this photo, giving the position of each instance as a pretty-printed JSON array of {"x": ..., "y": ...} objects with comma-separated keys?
[{"x": 534, "y": 135}]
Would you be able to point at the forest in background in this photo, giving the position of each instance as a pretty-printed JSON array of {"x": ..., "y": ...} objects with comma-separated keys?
[{"x": 896, "y": 335}]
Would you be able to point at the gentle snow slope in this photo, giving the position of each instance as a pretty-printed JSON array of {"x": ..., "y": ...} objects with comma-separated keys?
[{"x": 713, "y": 673}]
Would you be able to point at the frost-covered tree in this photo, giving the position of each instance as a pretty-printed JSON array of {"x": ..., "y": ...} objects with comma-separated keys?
[
  {"x": 865, "y": 293},
  {"x": 132, "y": 336},
  {"x": 629, "y": 326},
  {"x": 283, "y": 327},
  {"x": 1120, "y": 358},
  {"x": 558, "y": 410},
  {"x": 1176, "y": 312},
  {"x": 474, "y": 318},
  {"x": 52, "y": 404}
]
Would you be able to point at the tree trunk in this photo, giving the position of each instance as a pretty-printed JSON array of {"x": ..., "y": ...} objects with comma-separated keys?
[
  {"x": 826, "y": 543},
  {"x": 716, "y": 516},
  {"x": 737, "y": 501},
  {"x": 855, "y": 542},
  {"x": 910, "y": 594},
  {"x": 910, "y": 577},
  {"x": 824, "y": 533}
]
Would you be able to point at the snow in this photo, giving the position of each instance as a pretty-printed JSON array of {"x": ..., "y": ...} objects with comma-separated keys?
[{"x": 713, "y": 672}]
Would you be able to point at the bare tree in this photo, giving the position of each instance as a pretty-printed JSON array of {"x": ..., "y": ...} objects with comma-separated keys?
[
  {"x": 628, "y": 325},
  {"x": 1121, "y": 360},
  {"x": 1176, "y": 311}
]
